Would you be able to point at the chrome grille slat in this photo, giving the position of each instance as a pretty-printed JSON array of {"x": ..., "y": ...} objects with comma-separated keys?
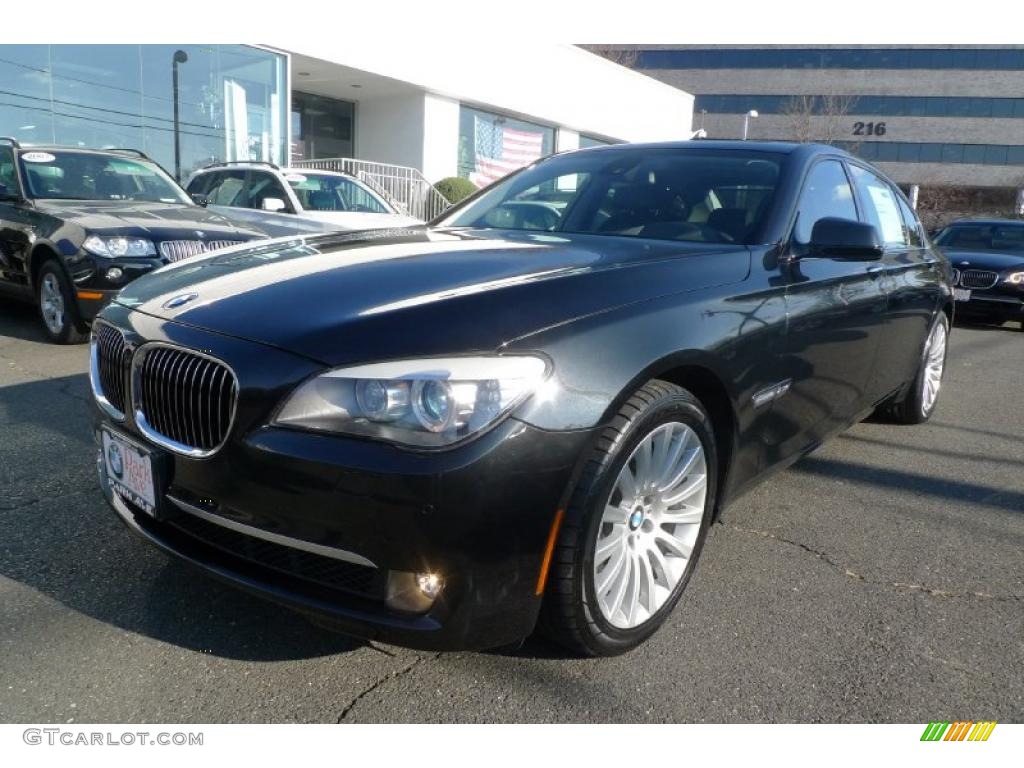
[
  {"x": 111, "y": 359},
  {"x": 176, "y": 402},
  {"x": 176, "y": 250},
  {"x": 981, "y": 279}
]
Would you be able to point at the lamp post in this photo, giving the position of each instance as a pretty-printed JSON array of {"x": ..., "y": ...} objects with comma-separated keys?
[
  {"x": 180, "y": 57},
  {"x": 746, "y": 122}
]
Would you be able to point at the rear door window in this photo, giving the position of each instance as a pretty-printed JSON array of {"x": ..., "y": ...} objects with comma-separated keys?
[
  {"x": 914, "y": 230},
  {"x": 882, "y": 207}
]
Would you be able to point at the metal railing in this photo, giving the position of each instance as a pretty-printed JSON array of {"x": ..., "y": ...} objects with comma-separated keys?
[{"x": 405, "y": 188}]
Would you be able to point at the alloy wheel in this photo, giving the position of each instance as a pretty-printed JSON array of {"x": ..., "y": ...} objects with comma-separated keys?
[
  {"x": 650, "y": 525},
  {"x": 933, "y": 366},
  {"x": 51, "y": 303}
]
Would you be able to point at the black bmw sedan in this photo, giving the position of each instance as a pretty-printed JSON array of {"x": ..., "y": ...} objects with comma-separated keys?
[
  {"x": 447, "y": 437},
  {"x": 988, "y": 267},
  {"x": 77, "y": 225}
]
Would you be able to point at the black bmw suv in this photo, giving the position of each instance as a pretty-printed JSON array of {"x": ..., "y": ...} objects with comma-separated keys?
[
  {"x": 529, "y": 412},
  {"x": 77, "y": 225}
]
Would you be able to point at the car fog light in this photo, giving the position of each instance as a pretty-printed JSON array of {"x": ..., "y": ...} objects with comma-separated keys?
[
  {"x": 429, "y": 584},
  {"x": 114, "y": 273},
  {"x": 413, "y": 592}
]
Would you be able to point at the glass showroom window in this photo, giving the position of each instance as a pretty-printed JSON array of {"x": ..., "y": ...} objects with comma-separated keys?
[
  {"x": 231, "y": 100},
  {"x": 321, "y": 127},
  {"x": 492, "y": 146}
]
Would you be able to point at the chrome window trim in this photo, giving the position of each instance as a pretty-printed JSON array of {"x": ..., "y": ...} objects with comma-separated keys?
[
  {"x": 275, "y": 538},
  {"x": 94, "y": 374},
  {"x": 140, "y": 418}
]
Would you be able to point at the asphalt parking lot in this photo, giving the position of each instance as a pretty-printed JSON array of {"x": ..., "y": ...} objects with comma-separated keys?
[{"x": 879, "y": 579}]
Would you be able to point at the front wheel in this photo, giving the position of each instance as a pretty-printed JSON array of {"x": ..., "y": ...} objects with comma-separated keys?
[
  {"x": 635, "y": 525},
  {"x": 57, "y": 307}
]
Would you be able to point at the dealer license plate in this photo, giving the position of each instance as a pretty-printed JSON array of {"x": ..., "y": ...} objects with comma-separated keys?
[{"x": 129, "y": 471}]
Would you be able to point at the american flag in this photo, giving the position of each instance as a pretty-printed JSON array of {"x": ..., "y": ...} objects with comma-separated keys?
[{"x": 501, "y": 150}]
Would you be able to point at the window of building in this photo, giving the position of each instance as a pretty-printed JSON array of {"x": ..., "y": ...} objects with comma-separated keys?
[
  {"x": 866, "y": 104},
  {"x": 826, "y": 193},
  {"x": 492, "y": 146},
  {"x": 592, "y": 141},
  {"x": 230, "y": 100},
  {"x": 321, "y": 127},
  {"x": 832, "y": 58}
]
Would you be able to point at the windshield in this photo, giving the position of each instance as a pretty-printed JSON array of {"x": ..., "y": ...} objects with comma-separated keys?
[
  {"x": 983, "y": 237},
  {"x": 70, "y": 175},
  {"x": 691, "y": 195},
  {"x": 327, "y": 192}
]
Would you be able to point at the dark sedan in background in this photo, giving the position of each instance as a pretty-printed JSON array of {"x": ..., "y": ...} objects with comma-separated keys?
[
  {"x": 988, "y": 258},
  {"x": 448, "y": 436},
  {"x": 77, "y": 225}
]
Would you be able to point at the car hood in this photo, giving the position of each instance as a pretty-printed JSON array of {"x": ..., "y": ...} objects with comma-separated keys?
[
  {"x": 158, "y": 221},
  {"x": 962, "y": 259},
  {"x": 350, "y": 297}
]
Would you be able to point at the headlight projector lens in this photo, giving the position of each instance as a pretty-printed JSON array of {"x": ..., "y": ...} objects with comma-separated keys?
[
  {"x": 433, "y": 404},
  {"x": 381, "y": 400}
]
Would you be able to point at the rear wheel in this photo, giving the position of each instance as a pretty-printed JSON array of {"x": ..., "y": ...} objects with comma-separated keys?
[
  {"x": 635, "y": 525},
  {"x": 918, "y": 404},
  {"x": 57, "y": 307}
]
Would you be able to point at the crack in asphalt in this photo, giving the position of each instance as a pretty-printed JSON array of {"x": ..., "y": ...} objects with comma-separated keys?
[
  {"x": 37, "y": 500},
  {"x": 387, "y": 678},
  {"x": 851, "y": 574}
]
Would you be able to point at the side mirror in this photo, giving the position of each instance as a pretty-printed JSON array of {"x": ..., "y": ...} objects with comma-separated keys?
[
  {"x": 846, "y": 239},
  {"x": 274, "y": 204},
  {"x": 200, "y": 199}
]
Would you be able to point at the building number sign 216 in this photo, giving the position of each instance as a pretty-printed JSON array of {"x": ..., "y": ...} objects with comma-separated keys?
[{"x": 869, "y": 129}]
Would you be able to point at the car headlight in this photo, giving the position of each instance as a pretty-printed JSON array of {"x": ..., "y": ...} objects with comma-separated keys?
[
  {"x": 116, "y": 247},
  {"x": 1015, "y": 278},
  {"x": 428, "y": 403}
]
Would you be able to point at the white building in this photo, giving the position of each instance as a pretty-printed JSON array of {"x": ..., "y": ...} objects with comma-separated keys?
[{"x": 429, "y": 110}]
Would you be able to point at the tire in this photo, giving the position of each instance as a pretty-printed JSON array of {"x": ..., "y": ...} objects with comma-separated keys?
[
  {"x": 916, "y": 406},
  {"x": 58, "y": 309},
  {"x": 578, "y": 612}
]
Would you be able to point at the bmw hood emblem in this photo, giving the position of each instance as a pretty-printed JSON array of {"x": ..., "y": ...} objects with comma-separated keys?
[{"x": 178, "y": 301}]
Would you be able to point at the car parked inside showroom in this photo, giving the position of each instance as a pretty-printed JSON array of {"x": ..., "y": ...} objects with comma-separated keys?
[
  {"x": 447, "y": 437},
  {"x": 988, "y": 260},
  {"x": 287, "y": 201},
  {"x": 77, "y": 225}
]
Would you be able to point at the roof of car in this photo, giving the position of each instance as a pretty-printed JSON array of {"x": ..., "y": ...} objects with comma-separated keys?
[
  {"x": 93, "y": 150},
  {"x": 781, "y": 147}
]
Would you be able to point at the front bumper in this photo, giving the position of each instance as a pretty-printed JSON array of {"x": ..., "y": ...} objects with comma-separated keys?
[
  {"x": 1001, "y": 301},
  {"x": 479, "y": 514}
]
